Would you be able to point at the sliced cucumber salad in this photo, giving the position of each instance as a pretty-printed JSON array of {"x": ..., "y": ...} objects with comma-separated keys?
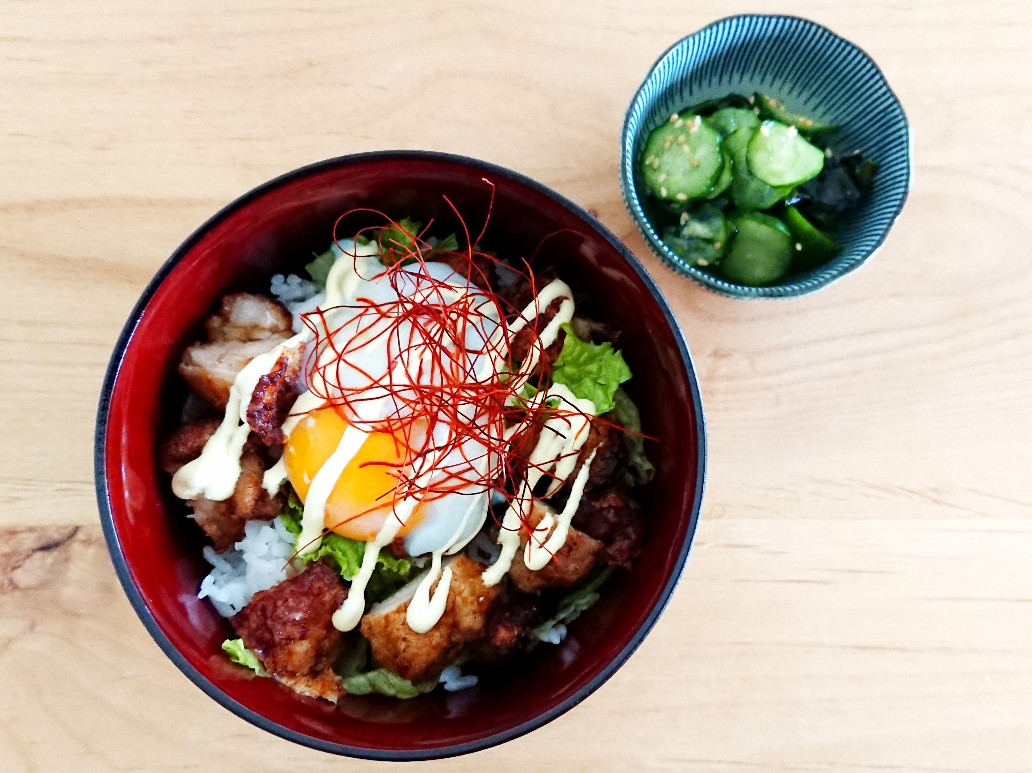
[{"x": 745, "y": 188}]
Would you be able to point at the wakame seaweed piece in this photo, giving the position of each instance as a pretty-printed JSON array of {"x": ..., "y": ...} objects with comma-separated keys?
[
  {"x": 710, "y": 106},
  {"x": 772, "y": 108},
  {"x": 860, "y": 168},
  {"x": 837, "y": 190},
  {"x": 682, "y": 159}
]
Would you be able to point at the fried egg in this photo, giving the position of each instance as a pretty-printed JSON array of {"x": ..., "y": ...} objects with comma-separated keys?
[{"x": 366, "y": 493}]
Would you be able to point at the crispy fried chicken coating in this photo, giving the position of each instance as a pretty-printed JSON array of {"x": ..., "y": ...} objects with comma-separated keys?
[
  {"x": 290, "y": 628},
  {"x": 419, "y": 656}
]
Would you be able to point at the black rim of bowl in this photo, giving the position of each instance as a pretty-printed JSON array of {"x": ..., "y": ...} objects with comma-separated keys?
[
  {"x": 717, "y": 285},
  {"x": 136, "y": 598}
]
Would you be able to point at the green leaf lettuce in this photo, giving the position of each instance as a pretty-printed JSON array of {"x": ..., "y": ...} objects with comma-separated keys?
[
  {"x": 390, "y": 573},
  {"x": 591, "y": 371},
  {"x": 639, "y": 469},
  {"x": 238, "y": 653},
  {"x": 319, "y": 269},
  {"x": 575, "y": 603}
]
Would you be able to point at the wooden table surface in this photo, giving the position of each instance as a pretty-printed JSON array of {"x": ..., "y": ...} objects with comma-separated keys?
[{"x": 860, "y": 592}]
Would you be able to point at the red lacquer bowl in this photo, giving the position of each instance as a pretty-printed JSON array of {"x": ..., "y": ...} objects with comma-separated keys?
[{"x": 277, "y": 227}]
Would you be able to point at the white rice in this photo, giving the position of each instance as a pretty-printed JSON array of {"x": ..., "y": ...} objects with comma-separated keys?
[
  {"x": 291, "y": 288},
  {"x": 258, "y": 561},
  {"x": 298, "y": 295},
  {"x": 454, "y": 680},
  {"x": 553, "y": 634}
]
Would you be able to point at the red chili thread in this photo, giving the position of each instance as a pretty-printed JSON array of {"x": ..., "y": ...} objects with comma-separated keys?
[{"x": 446, "y": 382}]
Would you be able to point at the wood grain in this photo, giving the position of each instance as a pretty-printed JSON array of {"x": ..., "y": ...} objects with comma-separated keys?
[{"x": 860, "y": 593}]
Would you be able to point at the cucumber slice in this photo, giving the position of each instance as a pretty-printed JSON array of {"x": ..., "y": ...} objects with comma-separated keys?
[
  {"x": 728, "y": 120},
  {"x": 814, "y": 246},
  {"x": 724, "y": 181},
  {"x": 696, "y": 252},
  {"x": 701, "y": 236},
  {"x": 775, "y": 110},
  {"x": 746, "y": 191},
  {"x": 682, "y": 159},
  {"x": 760, "y": 251},
  {"x": 708, "y": 222},
  {"x": 780, "y": 155}
]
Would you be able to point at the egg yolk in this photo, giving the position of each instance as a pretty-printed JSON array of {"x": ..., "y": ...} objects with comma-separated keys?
[{"x": 363, "y": 497}]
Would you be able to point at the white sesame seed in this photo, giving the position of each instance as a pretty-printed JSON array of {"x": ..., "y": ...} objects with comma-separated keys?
[
  {"x": 681, "y": 197},
  {"x": 702, "y": 262},
  {"x": 674, "y": 118},
  {"x": 799, "y": 247},
  {"x": 765, "y": 129},
  {"x": 681, "y": 139},
  {"x": 662, "y": 191},
  {"x": 792, "y": 131},
  {"x": 662, "y": 177}
]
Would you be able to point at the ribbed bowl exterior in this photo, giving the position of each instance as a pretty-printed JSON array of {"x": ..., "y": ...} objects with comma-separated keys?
[{"x": 814, "y": 72}]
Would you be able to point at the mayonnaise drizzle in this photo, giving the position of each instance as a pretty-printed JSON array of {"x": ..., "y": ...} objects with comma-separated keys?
[
  {"x": 551, "y": 532},
  {"x": 215, "y": 472},
  {"x": 424, "y": 610},
  {"x": 562, "y": 436}
]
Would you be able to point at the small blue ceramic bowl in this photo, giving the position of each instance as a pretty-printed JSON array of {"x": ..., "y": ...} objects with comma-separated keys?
[{"x": 814, "y": 72}]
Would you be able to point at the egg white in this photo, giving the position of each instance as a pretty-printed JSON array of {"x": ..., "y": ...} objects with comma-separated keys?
[{"x": 448, "y": 522}]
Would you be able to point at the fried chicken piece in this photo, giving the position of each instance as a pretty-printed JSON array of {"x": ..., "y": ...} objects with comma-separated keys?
[
  {"x": 588, "y": 329},
  {"x": 244, "y": 327},
  {"x": 247, "y": 317},
  {"x": 480, "y": 271},
  {"x": 419, "y": 656},
  {"x": 185, "y": 444},
  {"x": 273, "y": 397},
  {"x": 520, "y": 293},
  {"x": 218, "y": 521},
  {"x": 613, "y": 517},
  {"x": 568, "y": 566},
  {"x": 290, "y": 628},
  {"x": 510, "y": 625},
  {"x": 605, "y": 439},
  {"x": 223, "y": 522},
  {"x": 210, "y": 368},
  {"x": 521, "y": 343},
  {"x": 521, "y": 447}
]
